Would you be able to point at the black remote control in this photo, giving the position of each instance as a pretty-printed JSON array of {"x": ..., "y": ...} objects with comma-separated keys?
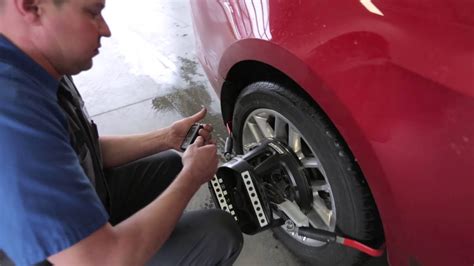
[{"x": 191, "y": 136}]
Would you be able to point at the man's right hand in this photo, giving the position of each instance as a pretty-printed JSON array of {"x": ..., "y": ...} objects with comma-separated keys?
[{"x": 201, "y": 161}]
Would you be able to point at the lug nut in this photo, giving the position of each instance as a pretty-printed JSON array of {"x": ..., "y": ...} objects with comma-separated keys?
[{"x": 290, "y": 226}]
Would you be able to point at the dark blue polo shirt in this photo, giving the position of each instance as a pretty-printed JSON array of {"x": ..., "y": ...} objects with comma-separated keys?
[{"x": 47, "y": 202}]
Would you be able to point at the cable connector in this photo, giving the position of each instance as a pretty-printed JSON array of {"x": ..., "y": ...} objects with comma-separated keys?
[{"x": 329, "y": 237}]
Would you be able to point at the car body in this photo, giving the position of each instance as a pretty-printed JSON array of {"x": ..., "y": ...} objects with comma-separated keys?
[{"x": 394, "y": 77}]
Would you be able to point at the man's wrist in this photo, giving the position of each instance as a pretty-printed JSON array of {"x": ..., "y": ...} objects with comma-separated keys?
[
  {"x": 189, "y": 179},
  {"x": 160, "y": 140}
]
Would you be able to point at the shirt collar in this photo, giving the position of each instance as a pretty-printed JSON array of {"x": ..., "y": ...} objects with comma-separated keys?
[{"x": 16, "y": 57}]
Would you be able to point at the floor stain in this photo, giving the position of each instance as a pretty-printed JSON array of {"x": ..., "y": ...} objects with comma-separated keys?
[{"x": 188, "y": 70}]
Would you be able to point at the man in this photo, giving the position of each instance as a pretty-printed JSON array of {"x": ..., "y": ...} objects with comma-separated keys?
[{"x": 52, "y": 158}]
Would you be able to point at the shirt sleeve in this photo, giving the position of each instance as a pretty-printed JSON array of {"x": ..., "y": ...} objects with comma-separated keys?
[{"x": 47, "y": 203}]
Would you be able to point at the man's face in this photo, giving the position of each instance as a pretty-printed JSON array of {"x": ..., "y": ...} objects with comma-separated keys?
[{"x": 69, "y": 35}]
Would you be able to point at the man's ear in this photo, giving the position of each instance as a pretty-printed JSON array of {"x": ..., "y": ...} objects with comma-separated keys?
[{"x": 29, "y": 9}]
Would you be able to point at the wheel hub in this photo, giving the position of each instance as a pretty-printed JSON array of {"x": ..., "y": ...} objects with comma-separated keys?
[{"x": 280, "y": 173}]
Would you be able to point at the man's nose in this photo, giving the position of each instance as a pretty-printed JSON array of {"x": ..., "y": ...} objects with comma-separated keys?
[{"x": 104, "y": 29}]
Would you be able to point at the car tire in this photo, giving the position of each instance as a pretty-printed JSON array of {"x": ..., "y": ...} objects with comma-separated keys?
[{"x": 355, "y": 213}]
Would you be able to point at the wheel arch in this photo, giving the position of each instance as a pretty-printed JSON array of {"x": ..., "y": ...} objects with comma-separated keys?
[
  {"x": 247, "y": 72},
  {"x": 291, "y": 72}
]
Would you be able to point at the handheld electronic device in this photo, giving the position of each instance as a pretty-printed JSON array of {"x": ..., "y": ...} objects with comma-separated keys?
[{"x": 191, "y": 136}]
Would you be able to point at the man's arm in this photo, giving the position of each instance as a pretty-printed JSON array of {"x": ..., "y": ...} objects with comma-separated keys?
[
  {"x": 118, "y": 150},
  {"x": 135, "y": 240}
]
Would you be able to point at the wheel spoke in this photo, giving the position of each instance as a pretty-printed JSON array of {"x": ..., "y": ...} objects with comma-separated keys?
[
  {"x": 323, "y": 212},
  {"x": 319, "y": 185},
  {"x": 280, "y": 128},
  {"x": 315, "y": 220},
  {"x": 294, "y": 141},
  {"x": 265, "y": 128},
  {"x": 311, "y": 162},
  {"x": 255, "y": 132}
]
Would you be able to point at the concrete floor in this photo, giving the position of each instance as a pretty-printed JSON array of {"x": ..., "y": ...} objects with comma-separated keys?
[{"x": 147, "y": 76}]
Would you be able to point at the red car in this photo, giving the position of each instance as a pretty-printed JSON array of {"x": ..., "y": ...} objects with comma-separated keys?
[{"x": 375, "y": 98}]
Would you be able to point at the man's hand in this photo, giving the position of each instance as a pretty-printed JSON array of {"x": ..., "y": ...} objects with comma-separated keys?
[
  {"x": 177, "y": 130},
  {"x": 200, "y": 160}
]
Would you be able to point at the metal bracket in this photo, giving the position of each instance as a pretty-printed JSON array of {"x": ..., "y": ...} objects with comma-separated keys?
[{"x": 293, "y": 211}]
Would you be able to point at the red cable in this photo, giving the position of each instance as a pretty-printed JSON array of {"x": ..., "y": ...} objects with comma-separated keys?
[{"x": 363, "y": 248}]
